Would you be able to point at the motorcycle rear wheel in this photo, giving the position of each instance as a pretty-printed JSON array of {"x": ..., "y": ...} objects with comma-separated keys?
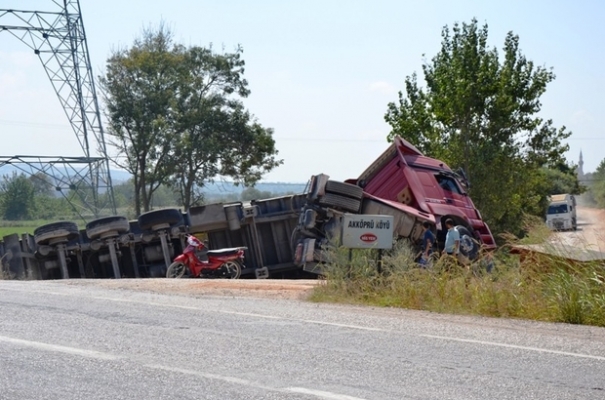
[
  {"x": 233, "y": 269},
  {"x": 176, "y": 270}
]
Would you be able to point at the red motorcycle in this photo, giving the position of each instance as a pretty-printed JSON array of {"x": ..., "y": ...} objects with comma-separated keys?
[{"x": 224, "y": 263}]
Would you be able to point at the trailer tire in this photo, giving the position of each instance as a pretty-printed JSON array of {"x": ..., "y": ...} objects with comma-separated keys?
[
  {"x": 344, "y": 189},
  {"x": 340, "y": 202},
  {"x": 169, "y": 216},
  {"x": 56, "y": 230},
  {"x": 103, "y": 226},
  {"x": 468, "y": 245}
]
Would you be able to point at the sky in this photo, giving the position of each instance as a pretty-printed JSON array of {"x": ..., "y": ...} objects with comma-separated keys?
[{"x": 321, "y": 72}]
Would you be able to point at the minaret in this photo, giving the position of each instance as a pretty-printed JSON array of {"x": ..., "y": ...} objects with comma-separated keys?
[{"x": 580, "y": 167}]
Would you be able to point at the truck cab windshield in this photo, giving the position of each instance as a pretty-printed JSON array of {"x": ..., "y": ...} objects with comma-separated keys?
[
  {"x": 557, "y": 209},
  {"x": 448, "y": 183}
]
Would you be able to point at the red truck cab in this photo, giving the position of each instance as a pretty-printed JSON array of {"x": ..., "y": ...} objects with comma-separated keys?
[{"x": 405, "y": 175}]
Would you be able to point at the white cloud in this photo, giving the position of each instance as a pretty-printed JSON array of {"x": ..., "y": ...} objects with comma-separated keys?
[{"x": 382, "y": 87}]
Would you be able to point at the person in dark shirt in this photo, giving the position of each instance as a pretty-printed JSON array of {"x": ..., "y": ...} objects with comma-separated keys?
[{"x": 428, "y": 242}]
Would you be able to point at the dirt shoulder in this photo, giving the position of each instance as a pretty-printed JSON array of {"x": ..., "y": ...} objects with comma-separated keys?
[
  {"x": 276, "y": 289},
  {"x": 590, "y": 234}
]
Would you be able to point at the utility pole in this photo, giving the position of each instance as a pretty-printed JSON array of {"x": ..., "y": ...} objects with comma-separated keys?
[{"x": 58, "y": 39}]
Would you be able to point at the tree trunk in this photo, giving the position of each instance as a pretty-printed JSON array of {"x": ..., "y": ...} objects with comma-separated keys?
[{"x": 137, "y": 195}]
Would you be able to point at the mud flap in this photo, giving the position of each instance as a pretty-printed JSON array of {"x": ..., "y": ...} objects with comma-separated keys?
[{"x": 262, "y": 273}]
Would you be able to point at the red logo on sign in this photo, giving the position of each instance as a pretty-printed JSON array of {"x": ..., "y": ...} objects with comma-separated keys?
[{"x": 368, "y": 237}]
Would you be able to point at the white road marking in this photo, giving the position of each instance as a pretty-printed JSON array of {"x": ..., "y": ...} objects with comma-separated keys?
[
  {"x": 59, "y": 349},
  {"x": 364, "y": 328},
  {"x": 514, "y": 346},
  {"x": 200, "y": 374},
  {"x": 358, "y": 327},
  {"x": 320, "y": 394},
  {"x": 151, "y": 303},
  {"x": 308, "y": 321},
  {"x": 229, "y": 379}
]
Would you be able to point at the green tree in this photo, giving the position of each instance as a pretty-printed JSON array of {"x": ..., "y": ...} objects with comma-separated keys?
[
  {"x": 597, "y": 185},
  {"x": 252, "y": 193},
  {"x": 139, "y": 89},
  {"x": 175, "y": 114},
  {"x": 479, "y": 111},
  {"x": 217, "y": 136},
  {"x": 563, "y": 180},
  {"x": 43, "y": 185},
  {"x": 17, "y": 199}
]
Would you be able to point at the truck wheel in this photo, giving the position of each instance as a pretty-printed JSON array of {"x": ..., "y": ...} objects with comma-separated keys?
[
  {"x": 340, "y": 202},
  {"x": 468, "y": 245},
  {"x": 344, "y": 189},
  {"x": 56, "y": 230},
  {"x": 104, "y": 226},
  {"x": 169, "y": 216}
]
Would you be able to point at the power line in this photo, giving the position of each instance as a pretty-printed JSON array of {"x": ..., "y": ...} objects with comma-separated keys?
[
  {"x": 295, "y": 139},
  {"x": 286, "y": 139},
  {"x": 34, "y": 124}
]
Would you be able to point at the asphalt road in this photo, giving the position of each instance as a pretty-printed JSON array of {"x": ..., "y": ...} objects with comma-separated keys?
[{"x": 65, "y": 340}]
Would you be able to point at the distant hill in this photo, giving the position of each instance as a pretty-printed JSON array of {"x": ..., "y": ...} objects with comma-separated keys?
[
  {"x": 223, "y": 188},
  {"x": 212, "y": 190},
  {"x": 218, "y": 189}
]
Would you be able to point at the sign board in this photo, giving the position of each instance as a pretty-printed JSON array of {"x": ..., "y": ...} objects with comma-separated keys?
[{"x": 361, "y": 231}]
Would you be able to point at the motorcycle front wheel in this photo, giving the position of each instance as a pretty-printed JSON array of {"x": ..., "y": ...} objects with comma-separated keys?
[
  {"x": 233, "y": 269},
  {"x": 176, "y": 270}
]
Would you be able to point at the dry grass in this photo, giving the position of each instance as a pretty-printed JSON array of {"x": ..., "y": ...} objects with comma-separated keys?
[{"x": 540, "y": 287}]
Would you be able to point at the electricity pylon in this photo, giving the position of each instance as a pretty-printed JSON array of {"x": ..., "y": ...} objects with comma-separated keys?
[{"x": 59, "y": 40}]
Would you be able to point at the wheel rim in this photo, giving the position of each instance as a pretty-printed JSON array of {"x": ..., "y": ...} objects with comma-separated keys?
[
  {"x": 233, "y": 269},
  {"x": 466, "y": 244},
  {"x": 177, "y": 271}
]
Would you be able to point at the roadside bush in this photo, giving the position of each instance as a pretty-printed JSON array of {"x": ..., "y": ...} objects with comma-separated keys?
[{"x": 538, "y": 287}]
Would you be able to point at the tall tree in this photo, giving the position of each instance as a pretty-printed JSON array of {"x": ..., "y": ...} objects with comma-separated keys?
[
  {"x": 139, "y": 89},
  {"x": 176, "y": 116},
  {"x": 217, "y": 136},
  {"x": 480, "y": 111}
]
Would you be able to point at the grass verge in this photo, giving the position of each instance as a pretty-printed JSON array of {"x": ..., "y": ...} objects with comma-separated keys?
[{"x": 540, "y": 287}]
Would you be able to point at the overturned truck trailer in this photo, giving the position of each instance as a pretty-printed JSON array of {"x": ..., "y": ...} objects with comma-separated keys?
[
  {"x": 283, "y": 235},
  {"x": 111, "y": 247},
  {"x": 288, "y": 234}
]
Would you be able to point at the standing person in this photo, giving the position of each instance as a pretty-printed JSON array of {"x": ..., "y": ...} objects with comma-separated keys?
[
  {"x": 452, "y": 239},
  {"x": 428, "y": 242}
]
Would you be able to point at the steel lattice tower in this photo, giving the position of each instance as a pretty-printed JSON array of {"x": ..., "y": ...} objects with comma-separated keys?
[{"x": 59, "y": 40}]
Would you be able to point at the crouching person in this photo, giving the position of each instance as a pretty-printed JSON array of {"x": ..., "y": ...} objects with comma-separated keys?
[{"x": 428, "y": 244}]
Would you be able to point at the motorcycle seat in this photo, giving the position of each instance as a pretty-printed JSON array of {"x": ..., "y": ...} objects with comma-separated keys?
[{"x": 225, "y": 252}]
